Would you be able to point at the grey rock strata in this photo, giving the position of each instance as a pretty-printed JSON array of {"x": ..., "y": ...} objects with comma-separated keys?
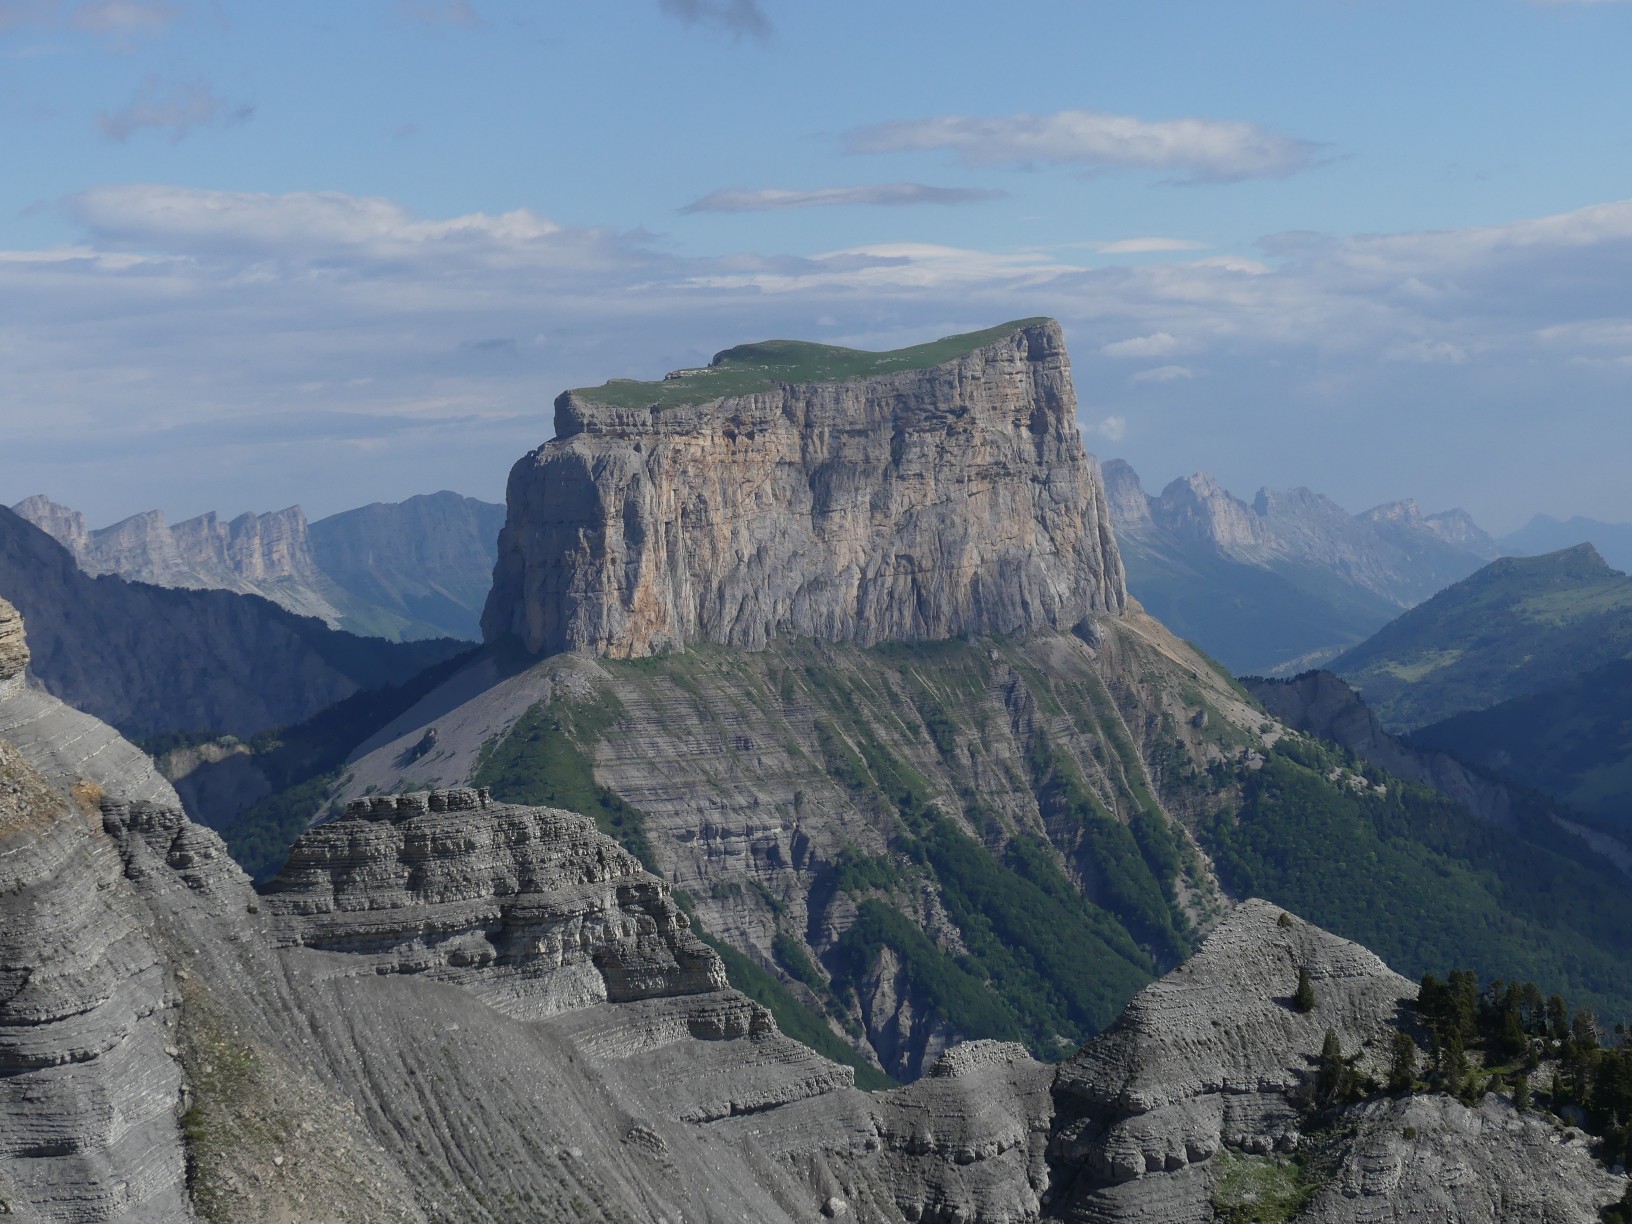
[{"x": 930, "y": 503}]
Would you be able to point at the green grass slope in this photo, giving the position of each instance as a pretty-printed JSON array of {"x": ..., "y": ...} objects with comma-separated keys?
[
  {"x": 1516, "y": 627},
  {"x": 748, "y": 368}
]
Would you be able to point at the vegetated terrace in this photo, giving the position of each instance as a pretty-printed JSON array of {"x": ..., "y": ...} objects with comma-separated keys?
[{"x": 748, "y": 368}]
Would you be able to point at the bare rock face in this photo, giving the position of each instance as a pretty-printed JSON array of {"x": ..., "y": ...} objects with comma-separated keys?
[
  {"x": 534, "y": 908},
  {"x": 13, "y": 644},
  {"x": 1215, "y": 1055},
  {"x": 927, "y": 503},
  {"x": 90, "y": 1089},
  {"x": 257, "y": 554},
  {"x": 1433, "y": 1158}
]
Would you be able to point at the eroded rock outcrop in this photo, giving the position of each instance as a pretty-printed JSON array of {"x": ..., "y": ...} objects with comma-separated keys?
[
  {"x": 13, "y": 644},
  {"x": 1214, "y": 1055},
  {"x": 533, "y": 908},
  {"x": 90, "y": 1087},
  {"x": 927, "y": 503}
]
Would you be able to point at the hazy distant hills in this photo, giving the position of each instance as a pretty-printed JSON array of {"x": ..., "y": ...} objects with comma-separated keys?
[
  {"x": 415, "y": 569},
  {"x": 1545, "y": 534},
  {"x": 1288, "y": 580},
  {"x": 151, "y": 660},
  {"x": 1517, "y": 627}
]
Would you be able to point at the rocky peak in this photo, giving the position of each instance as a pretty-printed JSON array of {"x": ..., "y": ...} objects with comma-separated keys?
[
  {"x": 845, "y": 496},
  {"x": 1125, "y": 496},
  {"x": 13, "y": 643},
  {"x": 66, "y": 526},
  {"x": 1404, "y": 512},
  {"x": 1199, "y": 507}
]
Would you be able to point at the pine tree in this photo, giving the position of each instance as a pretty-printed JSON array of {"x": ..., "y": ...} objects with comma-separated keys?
[
  {"x": 1454, "y": 1060},
  {"x": 1329, "y": 1082},
  {"x": 1303, "y": 999},
  {"x": 1521, "y": 1092},
  {"x": 1402, "y": 1070}
]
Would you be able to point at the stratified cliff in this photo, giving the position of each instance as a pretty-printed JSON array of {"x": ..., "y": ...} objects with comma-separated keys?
[{"x": 932, "y": 502}]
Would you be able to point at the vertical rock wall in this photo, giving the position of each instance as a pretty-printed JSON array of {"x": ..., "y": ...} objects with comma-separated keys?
[{"x": 922, "y": 504}]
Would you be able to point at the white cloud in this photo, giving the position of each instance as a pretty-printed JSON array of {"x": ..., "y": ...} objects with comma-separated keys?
[
  {"x": 1162, "y": 374},
  {"x": 1158, "y": 345},
  {"x": 1208, "y": 150},
  {"x": 167, "y": 343},
  {"x": 738, "y": 17},
  {"x": 177, "y": 109},
  {"x": 1114, "y": 428},
  {"x": 185, "y": 219},
  {"x": 1146, "y": 246},
  {"x": 897, "y": 194},
  {"x": 118, "y": 20}
]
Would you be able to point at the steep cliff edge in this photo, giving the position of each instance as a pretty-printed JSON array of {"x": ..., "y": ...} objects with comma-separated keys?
[{"x": 920, "y": 503}]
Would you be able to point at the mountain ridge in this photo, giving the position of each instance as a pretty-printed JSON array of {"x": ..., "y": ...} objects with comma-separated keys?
[
  {"x": 414, "y": 569},
  {"x": 1287, "y": 580}
]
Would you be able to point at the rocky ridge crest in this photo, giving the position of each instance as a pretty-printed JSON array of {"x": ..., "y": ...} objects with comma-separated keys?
[{"x": 925, "y": 503}]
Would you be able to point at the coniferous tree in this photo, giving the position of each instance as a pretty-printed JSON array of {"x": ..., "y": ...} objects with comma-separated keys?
[
  {"x": 1454, "y": 1061},
  {"x": 1303, "y": 999},
  {"x": 1402, "y": 1069},
  {"x": 1521, "y": 1092},
  {"x": 1331, "y": 1068},
  {"x": 1558, "y": 1021}
]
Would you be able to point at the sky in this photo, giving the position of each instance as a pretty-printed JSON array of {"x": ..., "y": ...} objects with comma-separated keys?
[{"x": 258, "y": 254}]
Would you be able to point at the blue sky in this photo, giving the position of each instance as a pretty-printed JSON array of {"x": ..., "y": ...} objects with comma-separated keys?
[{"x": 258, "y": 254}]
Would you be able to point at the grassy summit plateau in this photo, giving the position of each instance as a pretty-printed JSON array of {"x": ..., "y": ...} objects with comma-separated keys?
[{"x": 749, "y": 368}]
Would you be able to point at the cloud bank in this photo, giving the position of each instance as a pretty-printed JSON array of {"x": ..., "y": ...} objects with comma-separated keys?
[
  {"x": 224, "y": 346},
  {"x": 1207, "y": 150}
]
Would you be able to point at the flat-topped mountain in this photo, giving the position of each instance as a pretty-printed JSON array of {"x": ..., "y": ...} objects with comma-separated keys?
[
  {"x": 1288, "y": 578},
  {"x": 420, "y": 568},
  {"x": 795, "y": 490}
]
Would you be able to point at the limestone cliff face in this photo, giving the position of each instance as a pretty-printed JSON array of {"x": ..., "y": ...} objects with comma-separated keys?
[
  {"x": 13, "y": 644},
  {"x": 533, "y": 908},
  {"x": 927, "y": 503},
  {"x": 89, "y": 1091}
]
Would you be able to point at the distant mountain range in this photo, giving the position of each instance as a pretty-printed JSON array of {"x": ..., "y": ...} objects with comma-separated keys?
[
  {"x": 151, "y": 660},
  {"x": 1517, "y": 627},
  {"x": 1545, "y": 534},
  {"x": 1289, "y": 580},
  {"x": 408, "y": 570}
]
